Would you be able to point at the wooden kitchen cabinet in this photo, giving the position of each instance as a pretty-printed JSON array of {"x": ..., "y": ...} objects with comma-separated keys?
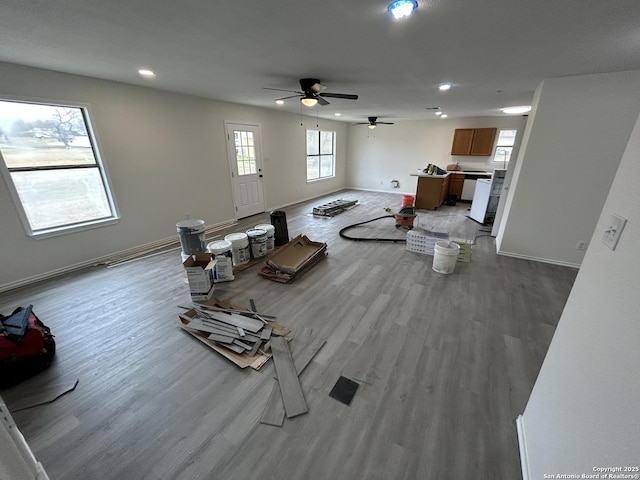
[
  {"x": 432, "y": 191},
  {"x": 456, "y": 184},
  {"x": 473, "y": 141}
]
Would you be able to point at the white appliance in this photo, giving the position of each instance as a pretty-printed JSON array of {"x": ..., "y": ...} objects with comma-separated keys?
[{"x": 486, "y": 197}]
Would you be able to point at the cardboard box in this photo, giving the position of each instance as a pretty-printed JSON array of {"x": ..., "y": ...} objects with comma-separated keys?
[{"x": 199, "y": 268}]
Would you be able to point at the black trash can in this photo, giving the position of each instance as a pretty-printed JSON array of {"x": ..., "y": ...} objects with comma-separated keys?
[{"x": 279, "y": 222}]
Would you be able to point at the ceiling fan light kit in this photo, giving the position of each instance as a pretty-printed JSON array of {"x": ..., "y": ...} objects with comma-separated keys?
[
  {"x": 312, "y": 93},
  {"x": 309, "y": 101},
  {"x": 402, "y": 8}
]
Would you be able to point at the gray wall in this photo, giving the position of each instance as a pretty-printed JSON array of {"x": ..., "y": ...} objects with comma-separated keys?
[
  {"x": 573, "y": 142},
  {"x": 166, "y": 156},
  {"x": 584, "y": 410}
]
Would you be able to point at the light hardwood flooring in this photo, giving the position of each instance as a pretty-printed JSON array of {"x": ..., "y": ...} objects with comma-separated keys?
[{"x": 445, "y": 363}]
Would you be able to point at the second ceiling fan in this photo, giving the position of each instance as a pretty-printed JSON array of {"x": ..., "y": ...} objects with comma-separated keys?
[
  {"x": 373, "y": 121},
  {"x": 312, "y": 93}
]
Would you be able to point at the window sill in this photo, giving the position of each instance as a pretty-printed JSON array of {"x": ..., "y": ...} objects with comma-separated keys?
[
  {"x": 321, "y": 179},
  {"x": 58, "y": 231}
]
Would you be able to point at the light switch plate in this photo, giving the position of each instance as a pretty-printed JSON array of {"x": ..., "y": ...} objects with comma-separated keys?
[{"x": 613, "y": 231}]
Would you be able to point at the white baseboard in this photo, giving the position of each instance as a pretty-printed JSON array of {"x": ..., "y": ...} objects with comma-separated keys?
[
  {"x": 331, "y": 192},
  {"x": 165, "y": 243},
  {"x": 524, "y": 459},
  {"x": 381, "y": 191},
  {"x": 538, "y": 259}
]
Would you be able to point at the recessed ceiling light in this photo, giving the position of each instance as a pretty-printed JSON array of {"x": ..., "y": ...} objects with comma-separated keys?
[
  {"x": 521, "y": 109},
  {"x": 402, "y": 8},
  {"x": 438, "y": 113},
  {"x": 280, "y": 102},
  {"x": 443, "y": 87},
  {"x": 444, "y": 115},
  {"x": 337, "y": 114},
  {"x": 146, "y": 73}
]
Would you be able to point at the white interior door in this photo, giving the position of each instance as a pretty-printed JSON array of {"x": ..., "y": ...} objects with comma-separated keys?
[{"x": 245, "y": 161}]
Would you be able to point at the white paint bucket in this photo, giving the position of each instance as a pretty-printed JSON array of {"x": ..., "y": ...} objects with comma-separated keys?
[
  {"x": 192, "y": 236},
  {"x": 257, "y": 242},
  {"x": 239, "y": 247},
  {"x": 221, "y": 250},
  {"x": 445, "y": 255},
  {"x": 271, "y": 235}
]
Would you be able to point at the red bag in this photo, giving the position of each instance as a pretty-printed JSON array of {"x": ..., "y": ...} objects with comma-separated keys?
[{"x": 23, "y": 351}]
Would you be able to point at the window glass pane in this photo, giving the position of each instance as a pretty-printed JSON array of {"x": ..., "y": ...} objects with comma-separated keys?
[
  {"x": 506, "y": 138},
  {"x": 313, "y": 142},
  {"x": 52, "y": 198},
  {"x": 326, "y": 142},
  {"x": 326, "y": 165},
  {"x": 43, "y": 135},
  {"x": 245, "y": 153},
  {"x": 313, "y": 168},
  {"x": 503, "y": 154}
]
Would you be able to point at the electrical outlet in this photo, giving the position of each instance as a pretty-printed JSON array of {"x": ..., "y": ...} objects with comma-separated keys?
[
  {"x": 613, "y": 231},
  {"x": 582, "y": 245}
]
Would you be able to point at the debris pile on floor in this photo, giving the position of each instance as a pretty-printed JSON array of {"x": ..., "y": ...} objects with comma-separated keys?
[
  {"x": 334, "y": 208},
  {"x": 239, "y": 335},
  {"x": 293, "y": 259}
]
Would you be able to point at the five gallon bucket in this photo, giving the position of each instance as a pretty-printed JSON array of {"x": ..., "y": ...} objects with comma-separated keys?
[
  {"x": 271, "y": 234},
  {"x": 257, "y": 242},
  {"x": 407, "y": 200},
  {"x": 192, "y": 236},
  {"x": 221, "y": 250},
  {"x": 445, "y": 255},
  {"x": 239, "y": 247}
]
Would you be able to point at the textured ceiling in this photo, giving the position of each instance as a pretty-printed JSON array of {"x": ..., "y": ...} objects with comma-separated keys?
[{"x": 495, "y": 52}]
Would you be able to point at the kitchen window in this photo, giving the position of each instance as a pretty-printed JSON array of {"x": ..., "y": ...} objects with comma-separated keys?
[
  {"x": 504, "y": 147},
  {"x": 321, "y": 159},
  {"x": 52, "y": 167}
]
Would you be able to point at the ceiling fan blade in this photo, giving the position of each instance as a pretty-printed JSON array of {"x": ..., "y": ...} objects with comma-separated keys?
[
  {"x": 384, "y": 123},
  {"x": 346, "y": 96},
  {"x": 283, "y": 90},
  {"x": 286, "y": 98},
  {"x": 322, "y": 101}
]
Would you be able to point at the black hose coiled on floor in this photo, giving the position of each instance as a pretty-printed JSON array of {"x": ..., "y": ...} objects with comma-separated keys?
[{"x": 359, "y": 239}]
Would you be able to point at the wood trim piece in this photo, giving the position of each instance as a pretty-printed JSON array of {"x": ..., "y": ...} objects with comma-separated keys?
[{"x": 292, "y": 396}]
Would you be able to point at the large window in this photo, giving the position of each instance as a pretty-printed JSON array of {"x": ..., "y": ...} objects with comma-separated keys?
[
  {"x": 52, "y": 167},
  {"x": 504, "y": 147},
  {"x": 321, "y": 159}
]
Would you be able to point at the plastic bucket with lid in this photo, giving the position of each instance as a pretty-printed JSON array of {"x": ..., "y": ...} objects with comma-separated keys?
[
  {"x": 257, "y": 242},
  {"x": 407, "y": 200},
  {"x": 239, "y": 247},
  {"x": 192, "y": 236},
  {"x": 221, "y": 250},
  {"x": 271, "y": 235},
  {"x": 445, "y": 255}
]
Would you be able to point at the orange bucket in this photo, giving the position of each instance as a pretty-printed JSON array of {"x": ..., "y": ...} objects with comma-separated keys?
[{"x": 407, "y": 200}]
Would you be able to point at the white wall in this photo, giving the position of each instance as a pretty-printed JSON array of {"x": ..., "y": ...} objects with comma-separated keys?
[
  {"x": 584, "y": 410},
  {"x": 393, "y": 152},
  {"x": 573, "y": 142},
  {"x": 166, "y": 156}
]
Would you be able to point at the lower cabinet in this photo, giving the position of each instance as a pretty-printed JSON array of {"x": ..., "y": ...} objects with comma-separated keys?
[{"x": 432, "y": 191}]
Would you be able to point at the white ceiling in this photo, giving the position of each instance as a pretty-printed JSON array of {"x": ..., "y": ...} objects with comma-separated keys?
[{"x": 495, "y": 52}]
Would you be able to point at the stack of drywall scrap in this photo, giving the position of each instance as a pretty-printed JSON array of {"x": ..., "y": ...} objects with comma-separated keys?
[
  {"x": 293, "y": 259},
  {"x": 234, "y": 332}
]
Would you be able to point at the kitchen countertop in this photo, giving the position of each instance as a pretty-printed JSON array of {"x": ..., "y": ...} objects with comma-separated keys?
[{"x": 463, "y": 172}]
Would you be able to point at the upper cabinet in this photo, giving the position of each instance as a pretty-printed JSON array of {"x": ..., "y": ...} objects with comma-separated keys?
[{"x": 473, "y": 141}]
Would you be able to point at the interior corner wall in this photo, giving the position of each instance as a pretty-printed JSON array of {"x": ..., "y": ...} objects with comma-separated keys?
[
  {"x": 573, "y": 143},
  {"x": 166, "y": 156},
  {"x": 583, "y": 411},
  {"x": 394, "y": 152}
]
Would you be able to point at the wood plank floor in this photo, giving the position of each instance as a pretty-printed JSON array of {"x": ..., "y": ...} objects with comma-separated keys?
[{"x": 445, "y": 363}]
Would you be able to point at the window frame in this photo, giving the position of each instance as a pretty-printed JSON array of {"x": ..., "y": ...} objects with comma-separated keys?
[
  {"x": 320, "y": 154},
  {"x": 503, "y": 163},
  {"x": 62, "y": 229}
]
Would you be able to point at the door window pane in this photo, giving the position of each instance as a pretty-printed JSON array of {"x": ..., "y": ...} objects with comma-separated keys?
[{"x": 245, "y": 153}]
